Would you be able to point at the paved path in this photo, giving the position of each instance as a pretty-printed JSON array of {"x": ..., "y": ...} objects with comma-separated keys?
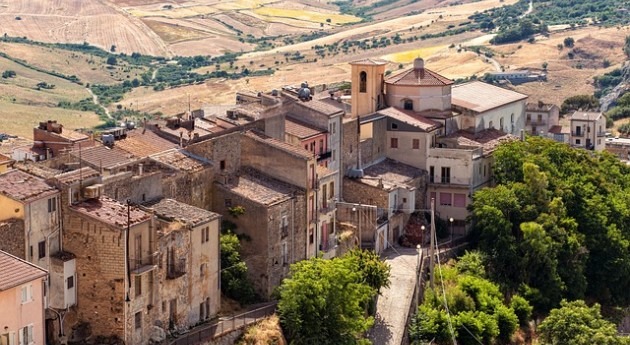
[{"x": 392, "y": 308}]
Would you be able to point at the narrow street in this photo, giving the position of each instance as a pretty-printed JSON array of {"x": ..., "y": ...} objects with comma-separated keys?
[{"x": 392, "y": 308}]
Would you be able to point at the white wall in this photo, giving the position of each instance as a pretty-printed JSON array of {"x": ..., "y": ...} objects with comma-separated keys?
[{"x": 424, "y": 98}]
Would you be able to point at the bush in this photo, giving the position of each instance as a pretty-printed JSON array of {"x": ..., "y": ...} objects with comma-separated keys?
[
  {"x": 8, "y": 74},
  {"x": 234, "y": 283},
  {"x": 522, "y": 310}
]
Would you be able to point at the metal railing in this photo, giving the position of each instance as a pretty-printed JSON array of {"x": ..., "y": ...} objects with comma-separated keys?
[
  {"x": 176, "y": 269},
  {"x": 214, "y": 330}
]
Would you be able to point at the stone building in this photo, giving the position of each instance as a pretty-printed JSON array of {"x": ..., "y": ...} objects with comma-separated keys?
[
  {"x": 588, "y": 130},
  {"x": 274, "y": 224},
  {"x": 51, "y": 138},
  {"x": 188, "y": 263},
  {"x": 541, "y": 117},
  {"x": 5, "y": 163},
  {"x": 114, "y": 246}
]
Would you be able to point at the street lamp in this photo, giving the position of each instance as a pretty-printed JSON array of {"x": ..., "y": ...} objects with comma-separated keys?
[
  {"x": 451, "y": 221},
  {"x": 419, "y": 248},
  {"x": 422, "y": 228}
]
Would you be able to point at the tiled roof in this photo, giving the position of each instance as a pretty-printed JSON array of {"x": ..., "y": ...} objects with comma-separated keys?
[
  {"x": 479, "y": 97},
  {"x": 110, "y": 211},
  {"x": 319, "y": 106},
  {"x": 369, "y": 62},
  {"x": 418, "y": 77},
  {"x": 390, "y": 174},
  {"x": 73, "y": 176},
  {"x": 262, "y": 189},
  {"x": 4, "y": 159},
  {"x": 555, "y": 129},
  {"x": 300, "y": 129},
  {"x": 143, "y": 143},
  {"x": 286, "y": 147},
  {"x": 539, "y": 107},
  {"x": 105, "y": 157},
  {"x": 411, "y": 118},
  {"x": 178, "y": 159},
  {"x": 585, "y": 116},
  {"x": 170, "y": 209},
  {"x": 8, "y": 145},
  {"x": 16, "y": 271},
  {"x": 488, "y": 139},
  {"x": 21, "y": 186}
]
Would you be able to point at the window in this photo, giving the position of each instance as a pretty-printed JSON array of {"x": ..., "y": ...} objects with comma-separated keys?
[
  {"x": 70, "y": 283},
  {"x": 25, "y": 336},
  {"x": 431, "y": 174},
  {"x": 202, "y": 311},
  {"x": 7, "y": 338},
  {"x": 324, "y": 194},
  {"x": 408, "y": 104},
  {"x": 321, "y": 146},
  {"x": 363, "y": 82},
  {"x": 222, "y": 165},
  {"x": 311, "y": 238},
  {"x": 205, "y": 234},
  {"x": 202, "y": 269},
  {"x": 394, "y": 143},
  {"x": 228, "y": 203},
  {"x": 529, "y": 118},
  {"x": 501, "y": 123},
  {"x": 446, "y": 175},
  {"x": 459, "y": 200},
  {"x": 285, "y": 254},
  {"x": 27, "y": 293},
  {"x": 484, "y": 170},
  {"x": 490, "y": 125},
  {"x": 415, "y": 144},
  {"x": 578, "y": 142},
  {"x": 207, "y": 307},
  {"x": 284, "y": 226},
  {"x": 41, "y": 249},
  {"x": 331, "y": 192},
  {"x": 52, "y": 204},
  {"x": 445, "y": 199},
  {"x": 394, "y": 125},
  {"x": 138, "y": 285},
  {"x": 138, "y": 320}
]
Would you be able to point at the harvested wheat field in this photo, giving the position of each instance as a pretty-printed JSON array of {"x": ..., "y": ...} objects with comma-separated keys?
[{"x": 19, "y": 119}]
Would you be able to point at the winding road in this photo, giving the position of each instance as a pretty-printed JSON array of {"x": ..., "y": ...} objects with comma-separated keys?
[{"x": 95, "y": 100}]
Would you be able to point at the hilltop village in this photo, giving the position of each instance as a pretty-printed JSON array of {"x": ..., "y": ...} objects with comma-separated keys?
[{"x": 117, "y": 234}]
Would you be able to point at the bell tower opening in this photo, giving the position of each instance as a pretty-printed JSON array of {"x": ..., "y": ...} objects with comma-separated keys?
[{"x": 363, "y": 82}]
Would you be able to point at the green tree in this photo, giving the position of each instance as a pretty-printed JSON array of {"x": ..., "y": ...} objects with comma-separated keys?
[
  {"x": 569, "y": 42},
  {"x": 8, "y": 74},
  {"x": 234, "y": 282},
  {"x": 325, "y": 301},
  {"x": 575, "y": 323},
  {"x": 626, "y": 47},
  {"x": 583, "y": 102},
  {"x": 112, "y": 61}
]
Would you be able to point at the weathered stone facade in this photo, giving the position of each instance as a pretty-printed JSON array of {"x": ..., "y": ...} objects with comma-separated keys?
[{"x": 12, "y": 238}]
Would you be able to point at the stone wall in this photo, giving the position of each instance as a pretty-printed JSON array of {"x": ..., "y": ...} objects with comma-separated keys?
[
  {"x": 349, "y": 144},
  {"x": 12, "y": 238},
  {"x": 137, "y": 188},
  {"x": 356, "y": 192},
  {"x": 225, "y": 148}
]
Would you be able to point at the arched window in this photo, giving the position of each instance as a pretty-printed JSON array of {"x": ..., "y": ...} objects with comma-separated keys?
[
  {"x": 363, "y": 82},
  {"x": 490, "y": 125},
  {"x": 408, "y": 104}
]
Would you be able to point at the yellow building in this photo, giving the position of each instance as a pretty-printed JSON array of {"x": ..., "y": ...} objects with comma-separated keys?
[{"x": 367, "y": 86}]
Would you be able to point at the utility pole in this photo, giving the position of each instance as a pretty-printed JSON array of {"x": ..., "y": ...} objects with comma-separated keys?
[{"x": 432, "y": 248}]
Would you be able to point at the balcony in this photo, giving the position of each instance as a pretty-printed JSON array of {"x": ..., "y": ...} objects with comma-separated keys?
[
  {"x": 176, "y": 269},
  {"x": 601, "y": 134},
  {"x": 538, "y": 122},
  {"x": 449, "y": 181},
  {"x": 324, "y": 155},
  {"x": 577, "y": 134},
  {"x": 142, "y": 265}
]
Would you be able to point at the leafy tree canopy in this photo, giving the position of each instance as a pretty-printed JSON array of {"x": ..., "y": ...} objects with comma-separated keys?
[
  {"x": 557, "y": 225},
  {"x": 325, "y": 301}
]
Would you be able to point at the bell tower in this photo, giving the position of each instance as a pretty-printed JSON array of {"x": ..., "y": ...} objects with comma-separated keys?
[{"x": 367, "y": 86}]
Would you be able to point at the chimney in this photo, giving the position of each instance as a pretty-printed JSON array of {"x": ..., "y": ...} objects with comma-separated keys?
[{"x": 418, "y": 64}]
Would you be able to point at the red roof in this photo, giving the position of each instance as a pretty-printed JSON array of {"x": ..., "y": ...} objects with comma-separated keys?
[
  {"x": 21, "y": 186},
  {"x": 418, "y": 77},
  {"x": 112, "y": 212},
  {"x": 300, "y": 129},
  {"x": 411, "y": 118},
  {"x": 16, "y": 271}
]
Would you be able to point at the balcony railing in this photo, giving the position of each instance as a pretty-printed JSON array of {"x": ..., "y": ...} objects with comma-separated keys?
[
  {"x": 601, "y": 134},
  {"x": 141, "y": 264},
  {"x": 536, "y": 122},
  {"x": 577, "y": 134},
  {"x": 176, "y": 269},
  {"x": 452, "y": 181},
  {"x": 324, "y": 155}
]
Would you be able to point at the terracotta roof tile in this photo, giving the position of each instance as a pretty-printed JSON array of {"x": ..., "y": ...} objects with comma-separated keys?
[
  {"x": 260, "y": 188},
  {"x": 16, "y": 271},
  {"x": 319, "y": 106},
  {"x": 537, "y": 107},
  {"x": 488, "y": 139},
  {"x": 418, "y": 77},
  {"x": 74, "y": 176},
  {"x": 21, "y": 186},
  {"x": 286, "y": 147},
  {"x": 173, "y": 210},
  {"x": 411, "y": 118},
  {"x": 301, "y": 129},
  {"x": 369, "y": 61},
  {"x": 390, "y": 174},
  {"x": 180, "y": 160},
  {"x": 110, "y": 211},
  {"x": 143, "y": 143},
  {"x": 479, "y": 97},
  {"x": 102, "y": 156},
  {"x": 585, "y": 116}
]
